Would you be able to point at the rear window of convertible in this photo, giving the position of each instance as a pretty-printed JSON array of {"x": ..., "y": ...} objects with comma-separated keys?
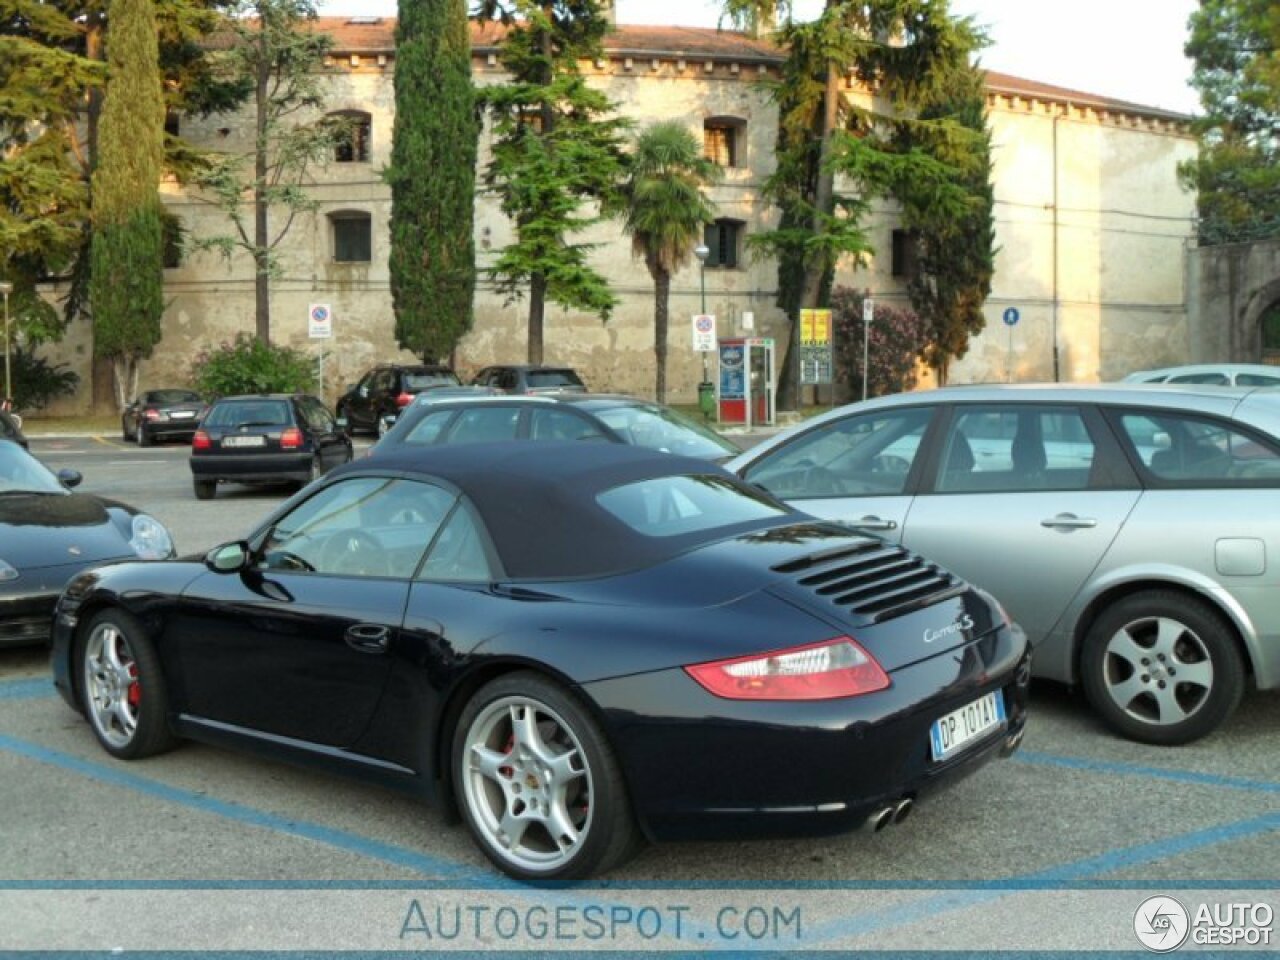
[{"x": 670, "y": 506}]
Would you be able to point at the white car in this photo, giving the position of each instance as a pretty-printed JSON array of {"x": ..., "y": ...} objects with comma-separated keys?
[{"x": 1212, "y": 374}]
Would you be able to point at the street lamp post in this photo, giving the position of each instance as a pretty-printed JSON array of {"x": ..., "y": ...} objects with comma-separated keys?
[
  {"x": 702, "y": 251},
  {"x": 6, "y": 288}
]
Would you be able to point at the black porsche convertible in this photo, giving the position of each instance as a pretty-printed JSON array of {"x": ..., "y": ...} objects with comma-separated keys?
[{"x": 582, "y": 646}]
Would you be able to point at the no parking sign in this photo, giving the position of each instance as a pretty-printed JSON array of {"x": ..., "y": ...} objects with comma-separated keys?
[{"x": 320, "y": 321}]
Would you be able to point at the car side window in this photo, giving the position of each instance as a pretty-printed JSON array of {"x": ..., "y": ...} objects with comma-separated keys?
[
  {"x": 562, "y": 425},
  {"x": 428, "y": 429},
  {"x": 861, "y": 455},
  {"x": 1256, "y": 380},
  {"x": 507, "y": 380},
  {"x": 317, "y": 416},
  {"x": 485, "y": 425},
  {"x": 362, "y": 527},
  {"x": 459, "y": 553},
  {"x": 1187, "y": 450},
  {"x": 1212, "y": 379},
  {"x": 1016, "y": 448}
]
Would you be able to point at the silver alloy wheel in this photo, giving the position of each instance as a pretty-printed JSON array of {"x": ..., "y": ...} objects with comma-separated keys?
[
  {"x": 527, "y": 784},
  {"x": 111, "y": 681},
  {"x": 1158, "y": 670}
]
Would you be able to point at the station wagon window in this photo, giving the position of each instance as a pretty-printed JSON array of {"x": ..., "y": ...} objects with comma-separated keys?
[
  {"x": 1183, "y": 449},
  {"x": 427, "y": 430},
  {"x": 867, "y": 455},
  {"x": 562, "y": 425},
  {"x": 362, "y": 527},
  {"x": 670, "y": 506},
  {"x": 485, "y": 425},
  {"x": 1007, "y": 449}
]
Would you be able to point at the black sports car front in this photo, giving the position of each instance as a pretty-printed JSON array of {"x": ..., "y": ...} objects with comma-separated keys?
[
  {"x": 581, "y": 645},
  {"x": 49, "y": 534}
]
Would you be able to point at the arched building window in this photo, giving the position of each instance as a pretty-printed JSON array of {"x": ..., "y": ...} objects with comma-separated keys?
[
  {"x": 355, "y": 127},
  {"x": 352, "y": 236}
]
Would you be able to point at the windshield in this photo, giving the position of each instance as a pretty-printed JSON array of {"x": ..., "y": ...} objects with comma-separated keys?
[
  {"x": 660, "y": 428},
  {"x": 243, "y": 413},
  {"x": 22, "y": 473},
  {"x": 172, "y": 396},
  {"x": 417, "y": 382}
]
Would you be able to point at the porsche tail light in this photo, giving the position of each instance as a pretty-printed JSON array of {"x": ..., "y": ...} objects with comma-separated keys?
[
  {"x": 201, "y": 441},
  {"x": 291, "y": 439},
  {"x": 404, "y": 400},
  {"x": 816, "y": 671}
]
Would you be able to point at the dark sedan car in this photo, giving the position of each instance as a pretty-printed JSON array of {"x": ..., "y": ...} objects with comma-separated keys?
[
  {"x": 49, "y": 534},
  {"x": 266, "y": 438},
  {"x": 11, "y": 429},
  {"x": 564, "y": 416},
  {"x": 162, "y": 415},
  {"x": 528, "y": 379},
  {"x": 581, "y": 645},
  {"x": 373, "y": 403}
]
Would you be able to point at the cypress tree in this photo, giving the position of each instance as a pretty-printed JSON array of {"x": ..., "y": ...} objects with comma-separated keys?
[
  {"x": 126, "y": 265},
  {"x": 432, "y": 178}
]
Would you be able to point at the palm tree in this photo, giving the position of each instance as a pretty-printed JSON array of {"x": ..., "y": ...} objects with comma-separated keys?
[{"x": 665, "y": 212}]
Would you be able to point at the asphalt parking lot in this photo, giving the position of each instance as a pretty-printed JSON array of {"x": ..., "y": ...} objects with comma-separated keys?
[{"x": 1075, "y": 810}]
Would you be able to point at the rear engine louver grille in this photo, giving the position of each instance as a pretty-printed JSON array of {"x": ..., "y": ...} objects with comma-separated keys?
[{"x": 872, "y": 579}]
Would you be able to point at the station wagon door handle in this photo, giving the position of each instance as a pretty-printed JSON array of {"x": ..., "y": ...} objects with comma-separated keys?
[
  {"x": 1069, "y": 521},
  {"x": 368, "y": 638},
  {"x": 872, "y": 523}
]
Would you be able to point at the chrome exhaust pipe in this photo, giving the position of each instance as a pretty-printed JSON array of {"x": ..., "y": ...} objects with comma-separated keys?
[
  {"x": 902, "y": 809},
  {"x": 878, "y": 820}
]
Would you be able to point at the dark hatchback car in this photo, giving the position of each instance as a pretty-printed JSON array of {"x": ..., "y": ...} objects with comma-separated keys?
[
  {"x": 582, "y": 646},
  {"x": 162, "y": 415},
  {"x": 565, "y": 416},
  {"x": 48, "y": 534},
  {"x": 374, "y": 402},
  {"x": 269, "y": 438},
  {"x": 529, "y": 379},
  {"x": 11, "y": 429}
]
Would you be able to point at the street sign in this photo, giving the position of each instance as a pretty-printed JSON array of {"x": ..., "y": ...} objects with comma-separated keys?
[
  {"x": 704, "y": 333},
  {"x": 868, "y": 311},
  {"x": 815, "y": 347},
  {"x": 320, "y": 321},
  {"x": 1011, "y": 316},
  {"x": 748, "y": 320}
]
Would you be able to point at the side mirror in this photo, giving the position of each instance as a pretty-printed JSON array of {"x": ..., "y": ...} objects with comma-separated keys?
[
  {"x": 228, "y": 558},
  {"x": 70, "y": 478}
]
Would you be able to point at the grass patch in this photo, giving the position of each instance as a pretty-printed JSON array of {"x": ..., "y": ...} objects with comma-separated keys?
[{"x": 43, "y": 426}]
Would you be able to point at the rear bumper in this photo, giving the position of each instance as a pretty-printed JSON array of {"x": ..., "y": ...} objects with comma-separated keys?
[
  {"x": 253, "y": 467},
  {"x": 169, "y": 429},
  {"x": 702, "y": 767}
]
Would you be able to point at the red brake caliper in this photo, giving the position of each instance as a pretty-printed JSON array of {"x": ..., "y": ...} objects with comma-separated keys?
[
  {"x": 135, "y": 688},
  {"x": 511, "y": 745}
]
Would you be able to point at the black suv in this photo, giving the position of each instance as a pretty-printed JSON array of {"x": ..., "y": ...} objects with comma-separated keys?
[
  {"x": 528, "y": 379},
  {"x": 376, "y": 400},
  {"x": 268, "y": 438}
]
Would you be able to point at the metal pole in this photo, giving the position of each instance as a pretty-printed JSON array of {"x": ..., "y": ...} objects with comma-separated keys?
[
  {"x": 866, "y": 355},
  {"x": 1056, "y": 370},
  {"x": 702, "y": 279},
  {"x": 8, "y": 378},
  {"x": 1008, "y": 357}
]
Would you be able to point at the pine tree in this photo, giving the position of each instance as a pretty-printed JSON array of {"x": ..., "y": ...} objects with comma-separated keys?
[
  {"x": 556, "y": 149},
  {"x": 432, "y": 178},
  {"x": 126, "y": 283}
]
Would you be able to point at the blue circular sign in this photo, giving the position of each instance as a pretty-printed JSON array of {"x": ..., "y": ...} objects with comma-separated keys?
[{"x": 1011, "y": 316}]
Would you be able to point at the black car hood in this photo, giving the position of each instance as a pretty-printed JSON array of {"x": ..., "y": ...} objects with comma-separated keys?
[{"x": 48, "y": 530}]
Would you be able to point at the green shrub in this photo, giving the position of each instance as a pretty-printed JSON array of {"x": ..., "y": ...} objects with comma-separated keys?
[
  {"x": 36, "y": 381},
  {"x": 250, "y": 366},
  {"x": 897, "y": 337}
]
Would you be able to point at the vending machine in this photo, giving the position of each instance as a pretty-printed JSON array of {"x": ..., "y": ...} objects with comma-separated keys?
[{"x": 746, "y": 388}]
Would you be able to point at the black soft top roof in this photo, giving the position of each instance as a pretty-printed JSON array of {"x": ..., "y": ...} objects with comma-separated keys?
[{"x": 538, "y": 501}]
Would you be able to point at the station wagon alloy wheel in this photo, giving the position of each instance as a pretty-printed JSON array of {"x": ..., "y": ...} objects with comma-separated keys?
[{"x": 1158, "y": 670}]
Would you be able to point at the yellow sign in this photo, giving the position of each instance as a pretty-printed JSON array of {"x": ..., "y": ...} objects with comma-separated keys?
[{"x": 815, "y": 328}]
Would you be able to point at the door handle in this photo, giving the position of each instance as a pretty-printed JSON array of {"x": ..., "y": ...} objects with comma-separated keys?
[
  {"x": 1069, "y": 521},
  {"x": 368, "y": 637},
  {"x": 872, "y": 523}
]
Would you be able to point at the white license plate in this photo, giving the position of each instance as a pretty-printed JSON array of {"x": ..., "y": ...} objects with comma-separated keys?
[
  {"x": 244, "y": 441},
  {"x": 952, "y": 733},
  {"x": 182, "y": 415}
]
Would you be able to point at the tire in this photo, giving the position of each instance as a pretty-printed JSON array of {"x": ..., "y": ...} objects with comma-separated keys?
[
  {"x": 122, "y": 688},
  {"x": 125, "y": 435},
  {"x": 1161, "y": 667},
  {"x": 316, "y": 472},
  {"x": 563, "y": 763},
  {"x": 144, "y": 439},
  {"x": 205, "y": 489}
]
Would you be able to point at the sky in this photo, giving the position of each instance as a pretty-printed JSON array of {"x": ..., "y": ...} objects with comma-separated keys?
[{"x": 1125, "y": 49}]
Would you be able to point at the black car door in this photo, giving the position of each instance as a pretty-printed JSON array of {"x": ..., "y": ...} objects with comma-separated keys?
[
  {"x": 330, "y": 442},
  {"x": 359, "y": 406},
  {"x": 298, "y": 645}
]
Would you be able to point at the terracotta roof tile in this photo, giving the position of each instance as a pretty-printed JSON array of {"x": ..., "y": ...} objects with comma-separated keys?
[{"x": 377, "y": 35}]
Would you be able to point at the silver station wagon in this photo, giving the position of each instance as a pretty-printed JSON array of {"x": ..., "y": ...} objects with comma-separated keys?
[{"x": 1132, "y": 530}]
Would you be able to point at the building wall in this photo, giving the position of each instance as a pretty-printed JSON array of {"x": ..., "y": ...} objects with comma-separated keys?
[{"x": 1122, "y": 222}]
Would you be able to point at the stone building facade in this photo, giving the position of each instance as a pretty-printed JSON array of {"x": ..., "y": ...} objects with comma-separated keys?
[{"x": 1091, "y": 228}]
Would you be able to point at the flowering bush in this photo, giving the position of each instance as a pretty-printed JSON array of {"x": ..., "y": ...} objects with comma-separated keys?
[
  {"x": 897, "y": 337},
  {"x": 250, "y": 366}
]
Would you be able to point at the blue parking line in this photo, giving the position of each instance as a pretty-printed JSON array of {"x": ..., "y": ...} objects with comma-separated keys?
[
  {"x": 341, "y": 839},
  {"x": 1138, "y": 770},
  {"x": 32, "y": 689}
]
